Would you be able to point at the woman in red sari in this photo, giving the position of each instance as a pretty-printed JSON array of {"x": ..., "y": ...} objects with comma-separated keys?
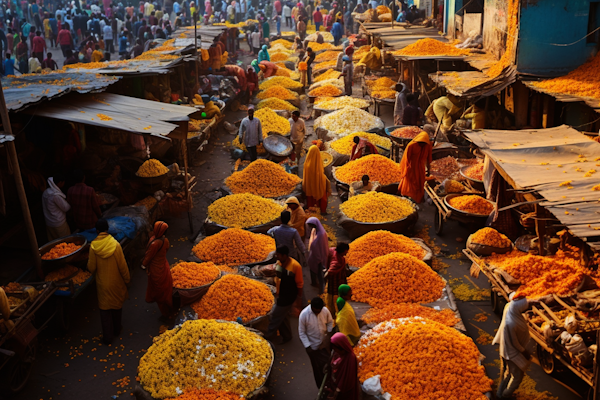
[
  {"x": 344, "y": 369},
  {"x": 415, "y": 167},
  {"x": 160, "y": 281}
]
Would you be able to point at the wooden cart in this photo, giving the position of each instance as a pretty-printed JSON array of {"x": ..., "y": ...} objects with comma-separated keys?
[{"x": 444, "y": 212}]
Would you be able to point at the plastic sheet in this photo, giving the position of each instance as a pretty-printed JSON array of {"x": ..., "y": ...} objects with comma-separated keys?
[{"x": 118, "y": 227}]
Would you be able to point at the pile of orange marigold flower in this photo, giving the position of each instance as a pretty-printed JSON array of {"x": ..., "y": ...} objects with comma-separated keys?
[
  {"x": 243, "y": 210},
  {"x": 475, "y": 172},
  {"x": 395, "y": 278},
  {"x": 235, "y": 296},
  {"x": 407, "y": 132},
  {"x": 188, "y": 275},
  {"x": 278, "y": 92},
  {"x": 583, "y": 81},
  {"x": 329, "y": 74},
  {"x": 325, "y": 90},
  {"x": 61, "y": 273},
  {"x": 472, "y": 204},
  {"x": 379, "y": 243},
  {"x": 380, "y": 83},
  {"x": 407, "y": 310},
  {"x": 491, "y": 237},
  {"x": 378, "y": 167},
  {"x": 234, "y": 247},
  {"x": 61, "y": 250},
  {"x": 431, "y": 47},
  {"x": 263, "y": 178},
  {"x": 418, "y": 358}
]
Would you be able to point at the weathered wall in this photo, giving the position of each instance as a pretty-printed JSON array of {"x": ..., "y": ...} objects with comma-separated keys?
[{"x": 495, "y": 26}]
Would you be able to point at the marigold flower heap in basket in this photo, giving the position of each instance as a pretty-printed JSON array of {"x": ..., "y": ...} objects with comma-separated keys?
[
  {"x": 235, "y": 296},
  {"x": 407, "y": 310},
  {"x": 234, "y": 247},
  {"x": 379, "y": 168},
  {"x": 475, "y": 172},
  {"x": 275, "y": 104},
  {"x": 375, "y": 207},
  {"x": 339, "y": 83},
  {"x": 279, "y": 81},
  {"x": 61, "y": 250},
  {"x": 491, "y": 237},
  {"x": 348, "y": 120},
  {"x": 243, "y": 210},
  {"x": 205, "y": 354},
  {"x": 341, "y": 102},
  {"x": 325, "y": 90},
  {"x": 472, "y": 204},
  {"x": 379, "y": 243},
  {"x": 277, "y": 92},
  {"x": 62, "y": 273},
  {"x": 279, "y": 56},
  {"x": 407, "y": 132},
  {"x": 395, "y": 278},
  {"x": 421, "y": 359},
  {"x": 431, "y": 47},
  {"x": 263, "y": 178},
  {"x": 187, "y": 275},
  {"x": 345, "y": 144},
  {"x": 384, "y": 94},
  {"x": 152, "y": 168},
  {"x": 271, "y": 122}
]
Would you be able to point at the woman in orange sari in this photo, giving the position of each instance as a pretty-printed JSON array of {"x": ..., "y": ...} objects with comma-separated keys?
[
  {"x": 415, "y": 167},
  {"x": 160, "y": 281},
  {"x": 315, "y": 184}
]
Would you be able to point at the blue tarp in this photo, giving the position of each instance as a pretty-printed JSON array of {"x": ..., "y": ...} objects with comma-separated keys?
[{"x": 118, "y": 227}]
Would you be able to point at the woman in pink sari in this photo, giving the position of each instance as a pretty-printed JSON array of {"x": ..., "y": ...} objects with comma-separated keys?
[
  {"x": 343, "y": 379},
  {"x": 318, "y": 252}
]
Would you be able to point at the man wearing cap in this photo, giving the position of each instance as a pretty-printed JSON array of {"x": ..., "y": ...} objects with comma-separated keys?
[
  {"x": 348, "y": 74},
  {"x": 250, "y": 133}
]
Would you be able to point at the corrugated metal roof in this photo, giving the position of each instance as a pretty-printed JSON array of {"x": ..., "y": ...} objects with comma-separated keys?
[{"x": 474, "y": 84}]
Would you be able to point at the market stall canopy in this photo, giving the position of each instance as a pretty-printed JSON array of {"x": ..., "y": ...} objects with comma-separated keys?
[
  {"x": 559, "y": 163},
  {"x": 117, "y": 112},
  {"x": 566, "y": 98},
  {"x": 398, "y": 37},
  {"x": 23, "y": 91},
  {"x": 474, "y": 84},
  {"x": 207, "y": 36}
]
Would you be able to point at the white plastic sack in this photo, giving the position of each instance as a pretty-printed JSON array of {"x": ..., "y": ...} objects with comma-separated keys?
[
  {"x": 571, "y": 324},
  {"x": 372, "y": 386}
]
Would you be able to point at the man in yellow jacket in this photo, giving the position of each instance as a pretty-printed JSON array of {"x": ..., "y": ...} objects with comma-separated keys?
[{"x": 112, "y": 277}]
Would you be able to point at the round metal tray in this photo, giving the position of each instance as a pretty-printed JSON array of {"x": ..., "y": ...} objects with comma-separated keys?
[
  {"x": 451, "y": 196},
  {"x": 278, "y": 145},
  {"x": 79, "y": 240}
]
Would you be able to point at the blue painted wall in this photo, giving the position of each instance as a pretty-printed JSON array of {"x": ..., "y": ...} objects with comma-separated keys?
[{"x": 543, "y": 22}]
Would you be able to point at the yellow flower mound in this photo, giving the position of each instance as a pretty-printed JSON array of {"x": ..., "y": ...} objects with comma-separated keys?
[
  {"x": 583, "y": 81},
  {"x": 260, "y": 149},
  {"x": 379, "y": 243},
  {"x": 263, "y": 178},
  {"x": 205, "y": 354},
  {"x": 344, "y": 145},
  {"x": 277, "y": 92},
  {"x": 375, "y": 207},
  {"x": 417, "y": 358},
  {"x": 329, "y": 74},
  {"x": 243, "y": 211},
  {"x": 234, "y": 247},
  {"x": 431, "y": 47},
  {"x": 381, "y": 83},
  {"x": 341, "y": 102},
  {"x": 279, "y": 81},
  {"x": 379, "y": 168},
  {"x": 275, "y": 104},
  {"x": 339, "y": 83},
  {"x": 320, "y": 46},
  {"x": 325, "y": 90},
  {"x": 151, "y": 168},
  {"x": 285, "y": 43},
  {"x": 348, "y": 120},
  {"x": 278, "y": 57},
  {"x": 233, "y": 297},
  {"x": 271, "y": 122},
  {"x": 395, "y": 278},
  {"x": 384, "y": 94},
  {"x": 325, "y": 65},
  {"x": 282, "y": 71}
]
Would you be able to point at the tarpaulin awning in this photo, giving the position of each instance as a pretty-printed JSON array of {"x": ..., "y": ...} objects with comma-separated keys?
[
  {"x": 474, "y": 84},
  {"x": 564, "y": 97},
  {"x": 116, "y": 112}
]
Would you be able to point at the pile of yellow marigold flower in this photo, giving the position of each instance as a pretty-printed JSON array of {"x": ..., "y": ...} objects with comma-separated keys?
[
  {"x": 243, "y": 210},
  {"x": 320, "y": 46},
  {"x": 407, "y": 310},
  {"x": 279, "y": 81},
  {"x": 379, "y": 243},
  {"x": 348, "y": 120},
  {"x": 540, "y": 276},
  {"x": 188, "y": 275},
  {"x": 341, "y": 102},
  {"x": 325, "y": 65},
  {"x": 417, "y": 358},
  {"x": 384, "y": 94},
  {"x": 380, "y": 83},
  {"x": 472, "y": 204},
  {"x": 278, "y": 56},
  {"x": 263, "y": 178},
  {"x": 583, "y": 81},
  {"x": 278, "y": 92},
  {"x": 235, "y": 296},
  {"x": 234, "y": 247},
  {"x": 285, "y": 43},
  {"x": 282, "y": 71},
  {"x": 395, "y": 278},
  {"x": 205, "y": 354},
  {"x": 344, "y": 145},
  {"x": 431, "y": 47},
  {"x": 329, "y": 74},
  {"x": 275, "y": 104},
  {"x": 325, "y": 90},
  {"x": 327, "y": 56},
  {"x": 491, "y": 237},
  {"x": 376, "y": 207},
  {"x": 379, "y": 168},
  {"x": 61, "y": 250},
  {"x": 271, "y": 122},
  {"x": 151, "y": 168}
]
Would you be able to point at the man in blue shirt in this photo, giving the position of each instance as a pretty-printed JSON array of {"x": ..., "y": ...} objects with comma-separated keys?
[
  {"x": 123, "y": 44},
  {"x": 288, "y": 236},
  {"x": 9, "y": 65}
]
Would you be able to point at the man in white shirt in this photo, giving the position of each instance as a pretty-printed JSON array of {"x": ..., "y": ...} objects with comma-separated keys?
[
  {"x": 255, "y": 39},
  {"x": 314, "y": 324},
  {"x": 287, "y": 14},
  {"x": 55, "y": 206},
  {"x": 298, "y": 131}
]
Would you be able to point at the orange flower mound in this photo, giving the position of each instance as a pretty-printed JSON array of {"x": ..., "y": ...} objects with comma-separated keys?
[
  {"x": 491, "y": 237},
  {"x": 234, "y": 246},
  {"x": 395, "y": 278},
  {"x": 235, "y": 296},
  {"x": 421, "y": 359},
  {"x": 379, "y": 168},
  {"x": 188, "y": 275},
  {"x": 475, "y": 172},
  {"x": 540, "y": 276},
  {"x": 263, "y": 178},
  {"x": 407, "y": 310},
  {"x": 325, "y": 90},
  {"x": 472, "y": 204},
  {"x": 278, "y": 57},
  {"x": 431, "y": 47},
  {"x": 206, "y": 394},
  {"x": 583, "y": 81},
  {"x": 279, "y": 92},
  {"x": 61, "y": 250},
  {"x": 379, "y": 243}
]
